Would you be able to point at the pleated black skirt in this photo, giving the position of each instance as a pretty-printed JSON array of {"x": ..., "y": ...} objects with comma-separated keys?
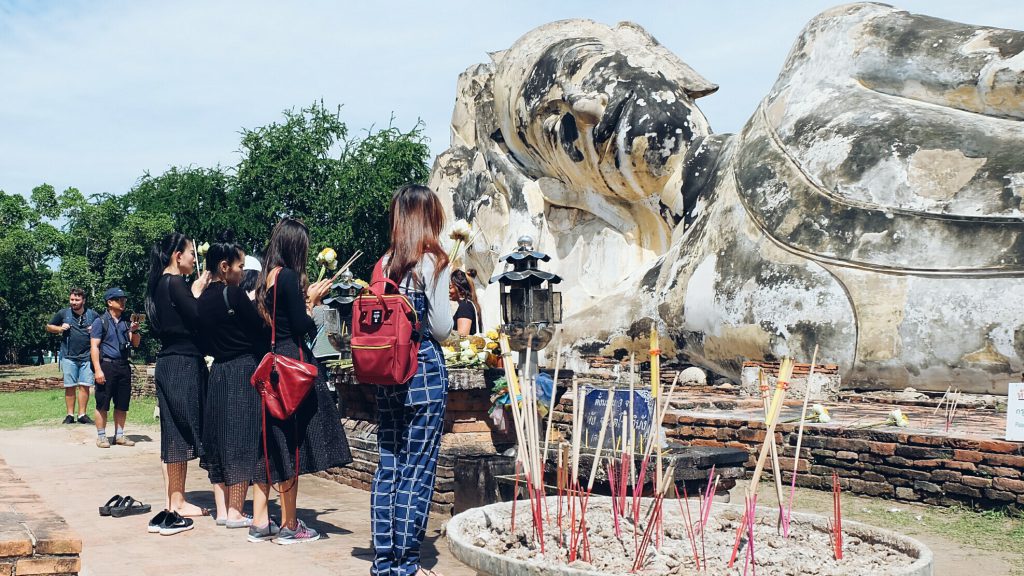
[
  {"x": 231, "y": 423},
  {"x": 180, "y": 391},
  {"x": 315, "y": 429}
]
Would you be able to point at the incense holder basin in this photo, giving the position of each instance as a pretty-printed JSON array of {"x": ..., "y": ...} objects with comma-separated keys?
[{"x": 481, "y": 539}]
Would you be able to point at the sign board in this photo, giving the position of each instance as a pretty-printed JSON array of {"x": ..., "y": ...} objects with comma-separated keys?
[
  {"x": 595, "y": 400},
  {"x": 1015, "y": 412}
]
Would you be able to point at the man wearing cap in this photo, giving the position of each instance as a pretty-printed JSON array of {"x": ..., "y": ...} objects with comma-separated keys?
[
  {"x": 73, "y": 324},
  {"x": 112, "y": 339}
]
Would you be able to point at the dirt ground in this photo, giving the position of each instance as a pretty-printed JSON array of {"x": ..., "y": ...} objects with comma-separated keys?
[{"x": 74, "y": 477}]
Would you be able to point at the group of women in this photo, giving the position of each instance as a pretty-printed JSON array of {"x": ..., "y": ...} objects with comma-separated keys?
[{"x": 216, "y": 415}]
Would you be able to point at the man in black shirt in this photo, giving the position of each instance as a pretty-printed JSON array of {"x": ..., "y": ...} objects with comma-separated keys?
[
  {"x": 112, "y": 339},
  {"x": 73, "y": 324}
]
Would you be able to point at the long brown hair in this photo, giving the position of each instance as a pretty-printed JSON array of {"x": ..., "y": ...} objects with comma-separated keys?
[
  {"x": 463, "y": 282},
  {"x": 416, "y": 220},
  {"x": 288, "y": 248}
]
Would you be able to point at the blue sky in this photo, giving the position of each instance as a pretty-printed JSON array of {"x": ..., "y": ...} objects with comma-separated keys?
[{"x": 96, "y": 93}]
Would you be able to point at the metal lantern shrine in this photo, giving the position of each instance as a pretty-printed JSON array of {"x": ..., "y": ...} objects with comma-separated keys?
[
  {"x": 338, "y": 321},
  {"x": 530, "y": 308}
]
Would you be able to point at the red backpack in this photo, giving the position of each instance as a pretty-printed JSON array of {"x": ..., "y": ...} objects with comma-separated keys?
[{"x": 385, "y": 333}]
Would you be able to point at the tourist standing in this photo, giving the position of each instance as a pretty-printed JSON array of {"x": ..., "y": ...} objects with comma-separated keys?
[
  {"x": 285, "y": 300},
  {"x": 111, "y": 341},
  {"x": 467, "y": 313},
  {"x": 233, "y": 333},
  {"x": 73, "y": 324},
  {"x": 411, "y": 416},
  {"x": 180, "y": 374}
]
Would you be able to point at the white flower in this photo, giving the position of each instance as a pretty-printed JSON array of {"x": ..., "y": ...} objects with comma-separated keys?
[
  {"x": 327, "y": 257},
  {"x": 467, "y": 356},
  {"x": 465, "y": 344},
  {"x": 203, "y": 248},
  {"x": 898, "y": 418},
  {"x": 824, "y": 418},
  {"x": 461, "y": 230}
]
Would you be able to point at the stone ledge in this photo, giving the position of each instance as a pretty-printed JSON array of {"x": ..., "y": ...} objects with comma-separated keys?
[{"x": 33, "y": 539}]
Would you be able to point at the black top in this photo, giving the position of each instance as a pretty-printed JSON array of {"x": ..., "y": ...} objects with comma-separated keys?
[
  {"x": 177, "y": 316},
  {"x": 225, "y": 336},
  {"x": 465, "y": 310},
  {"x": 292, "y": 320},
  {"x": 74, "y": 343}
]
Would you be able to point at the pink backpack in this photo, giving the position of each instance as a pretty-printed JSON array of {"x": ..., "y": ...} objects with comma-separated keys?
[{"x": 385, "y": 333}]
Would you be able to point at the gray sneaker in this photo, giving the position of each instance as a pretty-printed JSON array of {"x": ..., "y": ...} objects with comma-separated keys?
[
  {"x": 245, "y": 522},
  {"x": 299, "y": 535},
  {"x": 264, "y": 533}
]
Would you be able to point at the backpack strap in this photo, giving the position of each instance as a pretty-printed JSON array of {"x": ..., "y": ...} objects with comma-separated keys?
[
  {"x": 227, "y": 304},
  {"x": 378, "y": 278}
]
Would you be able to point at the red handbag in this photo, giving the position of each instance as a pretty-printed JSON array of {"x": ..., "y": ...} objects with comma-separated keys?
[{"x": 283, "y": 382}]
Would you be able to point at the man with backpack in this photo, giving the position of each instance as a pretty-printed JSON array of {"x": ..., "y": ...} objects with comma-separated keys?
[
  {"x": 112, "y": 339},
  {"x": 73, "y": 324}
]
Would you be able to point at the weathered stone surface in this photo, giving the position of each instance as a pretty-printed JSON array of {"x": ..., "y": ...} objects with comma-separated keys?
[{"x": 858, "y": 195}]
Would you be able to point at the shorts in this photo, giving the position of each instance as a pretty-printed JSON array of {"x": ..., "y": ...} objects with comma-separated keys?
[
  {"x": 117, "y": 388},
  {"x": 76, "y": 372}
]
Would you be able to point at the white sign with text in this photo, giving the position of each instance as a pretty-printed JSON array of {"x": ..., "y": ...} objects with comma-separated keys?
[{"x": 1015, "y": 412}]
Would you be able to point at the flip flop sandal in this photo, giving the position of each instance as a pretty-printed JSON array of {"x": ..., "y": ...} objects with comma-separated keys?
[
  {"x": 114, "y": 501},
  {"x": 129, "y": 507}
]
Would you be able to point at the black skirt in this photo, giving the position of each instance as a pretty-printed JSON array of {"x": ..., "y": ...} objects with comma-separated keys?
[
  {"x": 180, "y": 391},
  {"x": 231, "y": 423},
  {"x": 315, "y": 430}
]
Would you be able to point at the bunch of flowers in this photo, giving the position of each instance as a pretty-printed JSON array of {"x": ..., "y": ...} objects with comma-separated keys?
[
  {"x": 328, "y": 260},
  {"x": 201, "y": 250},
  {"x": 898, "y": 419},
  {"x": 462, "y": 235},
  {"x": 818, "y": 413},
  {"x": 895, "y": 418}
]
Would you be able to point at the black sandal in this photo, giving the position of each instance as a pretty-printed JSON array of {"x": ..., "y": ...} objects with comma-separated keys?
[
  {"x": 115, "y": 500},
  {"x": 129, "y": 507}
]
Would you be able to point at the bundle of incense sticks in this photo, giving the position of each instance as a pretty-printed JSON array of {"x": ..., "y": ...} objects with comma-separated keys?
[
  {"x": 799, "y": 439},
  {"x": 772, "y": 419},
  {"x": 776, "y": 469},
  {"x": 525, "y": 420}
]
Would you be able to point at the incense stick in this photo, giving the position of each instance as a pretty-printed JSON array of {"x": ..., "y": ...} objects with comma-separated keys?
[{"x": 799, "y": 439}]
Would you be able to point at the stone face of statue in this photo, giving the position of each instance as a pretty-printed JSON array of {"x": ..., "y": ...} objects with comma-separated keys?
[{"x": 871, "y": 206}]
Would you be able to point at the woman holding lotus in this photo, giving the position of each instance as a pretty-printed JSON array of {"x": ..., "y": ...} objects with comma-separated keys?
[
  {"x": 313, "y": 433},
  {"x": 180, "y": 375},
  {"x": 411, "y": 416}
]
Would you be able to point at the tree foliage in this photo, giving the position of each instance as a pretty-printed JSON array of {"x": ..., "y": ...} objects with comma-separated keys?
[{"x": 306, "y": 165}]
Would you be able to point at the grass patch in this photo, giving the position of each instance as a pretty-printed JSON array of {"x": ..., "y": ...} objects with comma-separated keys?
[
  {"x": 47, "y": 408},
  {"x": 10, "y": 372}
]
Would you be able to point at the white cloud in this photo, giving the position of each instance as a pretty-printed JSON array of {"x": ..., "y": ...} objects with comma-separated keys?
[{"x": 95, "y": 93}]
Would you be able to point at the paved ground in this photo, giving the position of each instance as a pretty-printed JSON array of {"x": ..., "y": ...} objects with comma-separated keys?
[{"x": 74, "y": 477}]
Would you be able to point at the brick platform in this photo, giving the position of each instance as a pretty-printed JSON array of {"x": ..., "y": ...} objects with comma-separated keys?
[
  {"x": 971, "y": 465},
  {"x": 468, "y": 433},
  {"x": 33, "y": 540}
]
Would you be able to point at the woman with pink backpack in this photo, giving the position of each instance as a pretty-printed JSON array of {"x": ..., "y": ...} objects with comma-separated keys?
[{"x": 411, "y": 414}]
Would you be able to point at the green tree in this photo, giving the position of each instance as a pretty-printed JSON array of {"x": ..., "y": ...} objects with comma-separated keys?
[
  {"x": 341, "y": 187},
  {"x": 29, "y": 292},
  {"x": 199, "y": 200}
]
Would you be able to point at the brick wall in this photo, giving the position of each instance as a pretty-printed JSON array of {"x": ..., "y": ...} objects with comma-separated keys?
[
  {"x": 929, "y": 468},
  {"x": 143, "y": 383},
  {"x": 33, "y": 540},
  {"x": 28, "y": 384},
  {"x": 468, "y": 432}
]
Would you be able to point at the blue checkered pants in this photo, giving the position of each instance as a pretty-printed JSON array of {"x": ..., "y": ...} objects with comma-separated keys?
[{"x": 410, "y": 423}]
